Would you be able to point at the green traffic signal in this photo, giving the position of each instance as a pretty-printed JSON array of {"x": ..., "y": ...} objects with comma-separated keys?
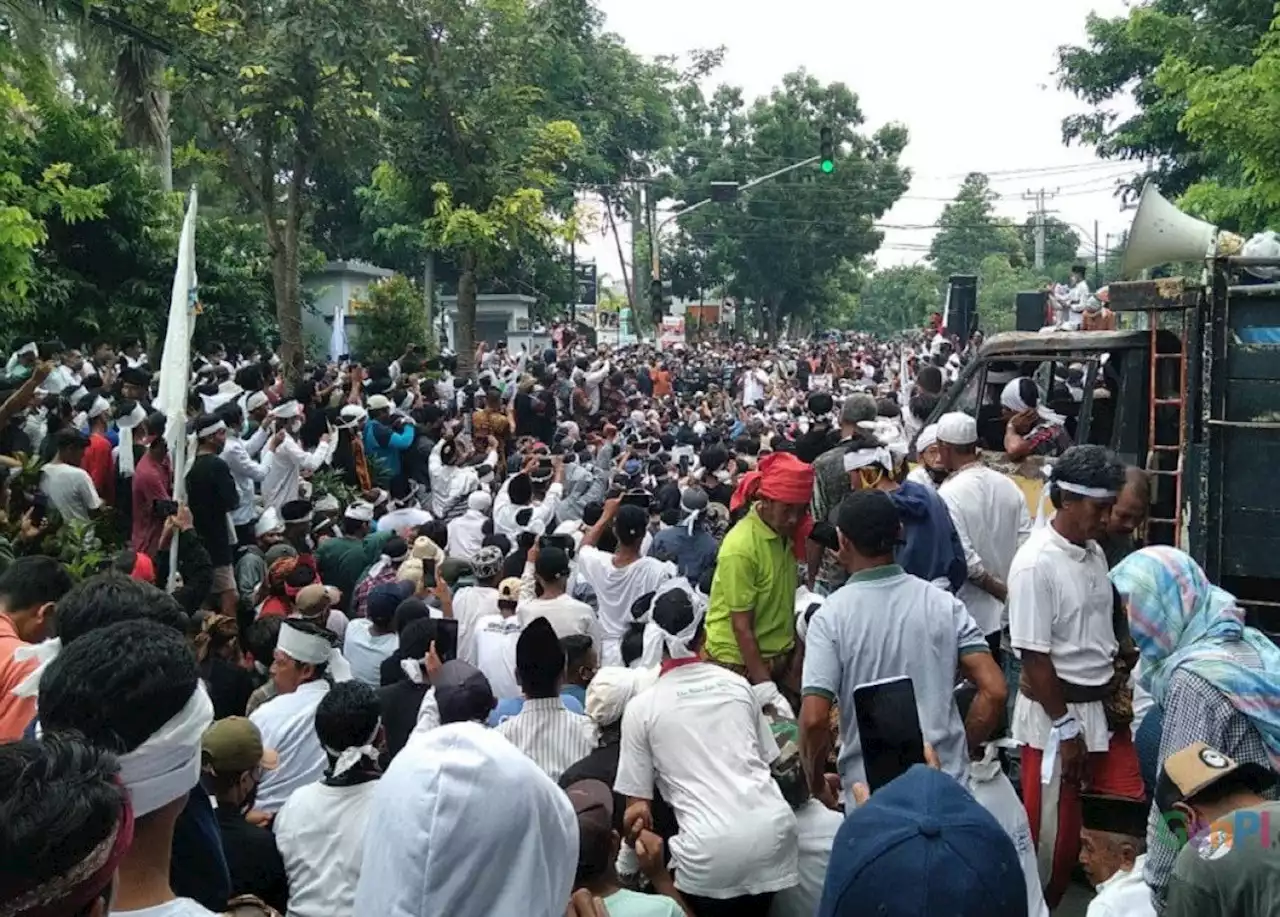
[{"x": 827, "y": 150}]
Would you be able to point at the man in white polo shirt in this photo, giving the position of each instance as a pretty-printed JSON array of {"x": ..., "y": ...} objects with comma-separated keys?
[
  {"x": 700, "y": 737},
  {"x": 1060, "y": 624},
  {"x": 991, "y": 518}
]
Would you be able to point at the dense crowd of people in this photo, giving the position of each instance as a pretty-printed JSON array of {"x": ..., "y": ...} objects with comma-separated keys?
[{"x": 590, "y": 631}]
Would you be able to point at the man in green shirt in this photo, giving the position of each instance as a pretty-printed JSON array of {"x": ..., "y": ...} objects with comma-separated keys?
[
  {"x": 342, "y": 561},
  {"x": 1229, "y": 866},
  {"x": 751, "y": 617}
]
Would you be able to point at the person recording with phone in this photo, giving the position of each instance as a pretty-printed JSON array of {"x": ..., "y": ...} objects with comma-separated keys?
[{"x": 886, "y": 623}]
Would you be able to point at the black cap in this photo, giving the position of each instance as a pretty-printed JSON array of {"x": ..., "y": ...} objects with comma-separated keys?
[
  {"x": 463, "y": 694},
  {"x": 135, "y": 376},
  {"x": 552, "y": 563},
  {"x": 1114, "y": 814}
]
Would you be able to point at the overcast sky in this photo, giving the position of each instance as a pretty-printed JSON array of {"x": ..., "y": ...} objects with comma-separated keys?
[{"x": 973, "y": 82}]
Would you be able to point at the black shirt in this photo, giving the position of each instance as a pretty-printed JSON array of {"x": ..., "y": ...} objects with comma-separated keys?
[
  {"x": 602, "y": 765},
  {"x": 198, "y": 867},
  {"x": 817, "y": 441},
  {"x": 253, "y": 860},
  {"x": 400, "y": 703},
  {"x": 211, "y": 493}
]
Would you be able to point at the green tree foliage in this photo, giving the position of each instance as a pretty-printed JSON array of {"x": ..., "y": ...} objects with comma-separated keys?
[
  {"x": 969, "y": 231},
  {"x": 781, "y": 241},
  {"x": 278, "y": 88},
  {"x": 389, "y": 317},
  {"x": 1122, "y": 60},
  {"x": 899, "y": 298},
  {"x": 86, "y": 234},
  {"x": 1232, "y": 113}
]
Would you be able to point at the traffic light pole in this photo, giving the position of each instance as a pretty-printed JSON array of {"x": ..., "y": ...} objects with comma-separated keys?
[{"x": 672, "y": 217}]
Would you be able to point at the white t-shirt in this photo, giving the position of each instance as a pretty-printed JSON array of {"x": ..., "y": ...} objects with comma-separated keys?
[
  {"x": 320, "y": 834},
  {"x": 566, "y": 615},
  {"x": 70, "y": 490},
  {"x": 470, "y": 604},
  {"x": 366, "y": 652},
  {"x": 496, "y": 639},
  {"x": 178, "y": 907},
  {"x": 700, "y": 737},
  {"x": 753, "y": 386},
  {"x": 817, "y": 826},
  {"x": 1060, "y": 603},
  {"x": 288, "y": 724},
  {"x": 991, "y": 517},
  {"x": 616, "y": 590}
]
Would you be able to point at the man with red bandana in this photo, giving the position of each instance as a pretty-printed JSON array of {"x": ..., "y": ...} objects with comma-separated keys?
[{"x": 751, "y": 618}]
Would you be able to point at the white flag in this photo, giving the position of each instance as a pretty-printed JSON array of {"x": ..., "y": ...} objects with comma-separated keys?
[
  {"x": 175, "y": 360},
  {"x": 338, "y": 336}
]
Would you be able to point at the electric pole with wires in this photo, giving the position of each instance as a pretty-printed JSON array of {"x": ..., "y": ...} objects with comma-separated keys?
[{"x": 1040, "y": 213}]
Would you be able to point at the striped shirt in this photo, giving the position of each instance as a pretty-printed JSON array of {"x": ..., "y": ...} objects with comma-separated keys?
[{"x": 552, "y": 736}]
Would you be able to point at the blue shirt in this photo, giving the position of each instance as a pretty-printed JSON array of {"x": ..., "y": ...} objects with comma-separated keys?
[
  {"x": 693, "y": 554},
  {"x": 389, "y": 455},
  {"x": 508, "y": 708}
]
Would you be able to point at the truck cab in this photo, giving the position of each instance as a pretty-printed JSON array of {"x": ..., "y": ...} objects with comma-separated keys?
[{"x": 1194, "y": 400}]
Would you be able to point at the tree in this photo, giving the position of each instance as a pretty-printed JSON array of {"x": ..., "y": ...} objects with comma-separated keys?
[
  {"x": 1232, "y": 113},
  {"x": 969, "y": 231},
  {"x": 473, "y": 143},
  {"x": 999, "y": 282},
  {"x": 390, "y": 318},
  {"x": 1121, "y": 61},
  {"x": 782, "y": 240},
  {"x": 899, "y": 298},
  {"x": 279, "y": 88}
]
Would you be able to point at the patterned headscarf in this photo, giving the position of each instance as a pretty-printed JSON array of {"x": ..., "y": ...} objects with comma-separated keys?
[
  {"x": 487, "y": 562},
  {"x": 1178, "y": 618}
]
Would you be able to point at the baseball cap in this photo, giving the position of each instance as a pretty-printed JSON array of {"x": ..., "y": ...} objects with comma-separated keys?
[
  {"x": 384, "y": 599},
  {"x": 923, "y": 846},
  {"x": 233, "y": 745},
  {"x": 379, "y": 403},
  {"x": 552, "y": 563},
  {"x": 462, "y": 693},
  {"x": 1188, "y": 773},
  {"x": 593, "y": 804},
  {"x": 311, "y": 599},
  {"x": 509, "y": 589}
]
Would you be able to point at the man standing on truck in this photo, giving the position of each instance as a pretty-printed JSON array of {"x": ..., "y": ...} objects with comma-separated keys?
[
  {"x": 1060, "y": 624},
  {"x": 1071, "y": 307}
]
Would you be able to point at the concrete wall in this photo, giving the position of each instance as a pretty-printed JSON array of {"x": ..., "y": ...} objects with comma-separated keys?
[{"x": 336, "y": 282}]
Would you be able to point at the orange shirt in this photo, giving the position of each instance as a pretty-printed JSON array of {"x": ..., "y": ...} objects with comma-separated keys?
[
  {"x": 661, "y": 383},
  {"x": 16, "y": 713}
]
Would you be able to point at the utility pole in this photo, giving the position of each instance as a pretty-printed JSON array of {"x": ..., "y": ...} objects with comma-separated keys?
[
  {"x": 573, "y": 280},
  {"x": 1097, "y": 259},
  {"x": 638, "y": 296},
  {"x": 1040, "y": 213}
]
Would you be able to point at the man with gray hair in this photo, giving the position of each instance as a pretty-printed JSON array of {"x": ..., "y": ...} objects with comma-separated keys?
[{"x": 831, "y": 485}]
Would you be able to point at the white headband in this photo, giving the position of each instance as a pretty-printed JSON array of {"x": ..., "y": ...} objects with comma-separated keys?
[
  {"x": 863, "y": 458},
  {"x": 213, "y": 428},
  {"x": 99, "y": 407},
  {"x": 349, "y": 757},
  {"x": 1042, "y": 510},
  {"x": 167, "y": 765},
  {"x": 313, "y": 649},
  {"x": 656, "y": 637}
]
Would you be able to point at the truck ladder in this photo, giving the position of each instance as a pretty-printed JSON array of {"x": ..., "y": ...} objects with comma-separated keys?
[{"x": 1158, "y": 448}]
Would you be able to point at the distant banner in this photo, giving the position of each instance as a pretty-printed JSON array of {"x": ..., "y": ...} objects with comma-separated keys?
[{"x": 672, "y": 330}]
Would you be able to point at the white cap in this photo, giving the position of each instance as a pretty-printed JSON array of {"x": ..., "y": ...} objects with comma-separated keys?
[
  {"x": 255, "y": 401},
  {"x": 479, "y": 501},
  {"x": 379, "y": 403},
  {"x": 957, "y": 429},
  {"x": 928, "y": 437},
  {"x": 268, "y": 523},
  {"x": 359, "y": 512},
  {"x": 287, "y": 411}
]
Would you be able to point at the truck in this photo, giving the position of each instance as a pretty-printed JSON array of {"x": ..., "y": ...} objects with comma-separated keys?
[{"x": 1193, "y": 398}]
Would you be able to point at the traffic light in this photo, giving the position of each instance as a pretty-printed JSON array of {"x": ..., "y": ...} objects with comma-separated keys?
[
  {"x": 659, "y": 298},
  {"x": 828, "y": 151}
]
